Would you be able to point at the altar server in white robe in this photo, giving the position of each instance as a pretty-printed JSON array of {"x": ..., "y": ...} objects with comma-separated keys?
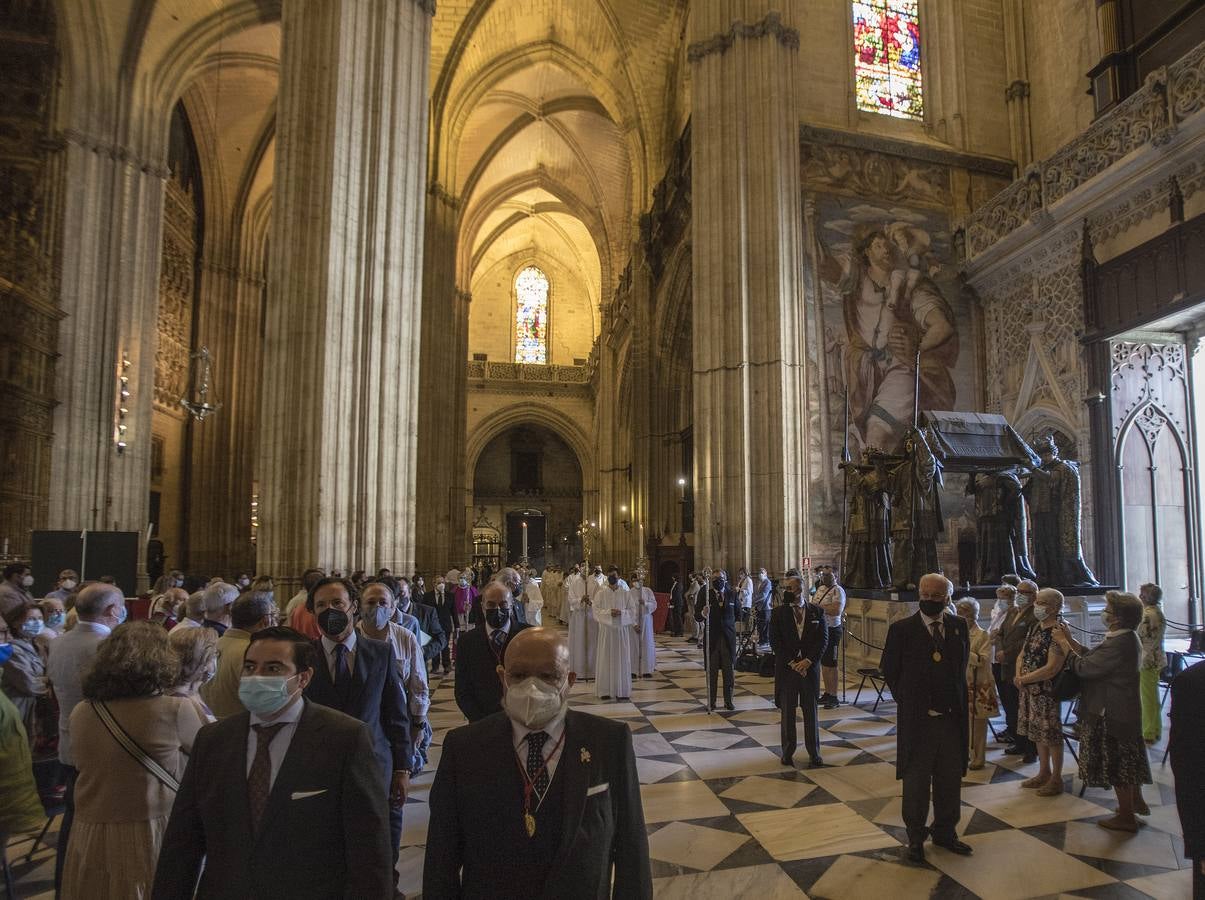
[
  {"x": 583, "y": 630},
  {"x": 613, "y": 612},
  {"x": 644, "y": 648},
  {"x": 533, "y": 599},
  {"x": 548, "y": 589}
]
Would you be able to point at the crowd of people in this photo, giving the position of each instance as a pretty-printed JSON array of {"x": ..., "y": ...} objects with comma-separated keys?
[{"x": 209, "y": 747}]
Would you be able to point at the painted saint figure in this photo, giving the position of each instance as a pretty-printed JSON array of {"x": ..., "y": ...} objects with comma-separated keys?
[{"x": 892, "y": 309}]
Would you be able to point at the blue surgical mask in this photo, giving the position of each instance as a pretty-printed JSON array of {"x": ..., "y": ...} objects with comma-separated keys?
[
  {"x": 56, "y": 619},
  {"x": 122, "y": 614},
  {"x": 379, "y": 617},
  {"x": 264, "y": 694},
  {"x": 31, "y": 628}
]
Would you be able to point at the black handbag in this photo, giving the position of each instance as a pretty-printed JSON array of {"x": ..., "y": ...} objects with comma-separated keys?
[{"x": 1066, "y": 684}]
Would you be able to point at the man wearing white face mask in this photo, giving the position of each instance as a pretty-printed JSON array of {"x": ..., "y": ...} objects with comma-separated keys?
[
  {"x": 565, "y": 819},
  {"x": 65, "y": 586},
  {"x": 14, "y": 590}
]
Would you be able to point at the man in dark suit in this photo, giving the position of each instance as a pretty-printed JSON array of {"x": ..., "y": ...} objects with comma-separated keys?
[
  {"x": 482, "y": 650},
  {"x": 443, "y": 602},
  {"x": 356, "y": 676},
  {"x": 1184, "y": 746},
  {"x": 716, "y": 604},
  {"x": 282, "y": 801},
  {"x": 565, "y": 817},
  {"x": 1012, "y": 637},
  {"x": 677, "y": 608},
  {"x": 925, "y": 664},
  {"x": 428, "y": 621},
  {"x": 798, "y": 637}
]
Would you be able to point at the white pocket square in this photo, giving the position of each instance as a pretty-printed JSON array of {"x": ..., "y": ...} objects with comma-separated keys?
[
  {"x": 302, "y": 795},
  {"x": 597, "y": 789}
]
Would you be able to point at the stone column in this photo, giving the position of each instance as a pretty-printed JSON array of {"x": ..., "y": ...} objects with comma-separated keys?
[
  {"x": 750, "y": 410},
  {"x": 441, "y": 372},
  {"x": 341, "y": 350},
  {"x": 223, "y": 446},
  {"x": 110, "y": 236}
]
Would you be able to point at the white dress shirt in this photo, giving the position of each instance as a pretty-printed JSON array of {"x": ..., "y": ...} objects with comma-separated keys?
[
  {"x": 280, "y": 743},
  {"x": 554, "y": 730},
  {"x": 328, "y": 650}
]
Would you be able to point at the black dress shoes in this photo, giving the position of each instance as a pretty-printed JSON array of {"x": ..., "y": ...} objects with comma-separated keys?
[
  {"x": 1014, "y": 750},
  {"x": 817, "y": 763},
  {"x": 955, "y": 846},
  {"x": 728, "y": 705},
  {"x": 916, "y": 853},
  {"x": 787, "y": 760}
]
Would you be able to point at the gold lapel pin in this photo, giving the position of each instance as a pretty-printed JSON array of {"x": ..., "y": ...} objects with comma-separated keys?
[{"x": 585, "y": 755}]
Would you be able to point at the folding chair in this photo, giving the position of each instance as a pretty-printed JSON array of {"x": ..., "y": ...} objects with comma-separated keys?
[{"x": 877, "y": 681}]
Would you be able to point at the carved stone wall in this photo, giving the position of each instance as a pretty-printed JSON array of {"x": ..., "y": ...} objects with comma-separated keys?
[
  {"x": 28, "y": 289},
  {"x": 169, "y": 421},
  {"x": 177, "y": 288}
]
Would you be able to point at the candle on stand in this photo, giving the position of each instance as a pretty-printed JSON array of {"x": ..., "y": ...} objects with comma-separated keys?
[{"x": 525, "y": 540}]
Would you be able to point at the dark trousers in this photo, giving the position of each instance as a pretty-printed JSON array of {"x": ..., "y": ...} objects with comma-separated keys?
[
  {"x": 673, "y": 622},
  {"x": 720, "y": 653},
  {"x": 445, "y": 655},
  {"x": 69, "y": 775},
  {"x": 1198, "y": 880},
  {"x": 934, "y": 767},
  {"x": 1010, "y": 699},
  {"x": 798, "y": 691},
  {"x": 761, "y": 622}
]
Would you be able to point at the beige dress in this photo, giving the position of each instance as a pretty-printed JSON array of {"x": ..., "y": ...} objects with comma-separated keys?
[
  {"x": 121, "y": 810},
  {"x": 981, "y": 687}
]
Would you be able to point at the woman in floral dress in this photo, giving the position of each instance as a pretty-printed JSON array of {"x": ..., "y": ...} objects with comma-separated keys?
[{"x": 1038, "y": 715}]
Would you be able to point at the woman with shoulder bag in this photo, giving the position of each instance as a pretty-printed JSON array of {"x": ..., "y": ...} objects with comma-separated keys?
[
  {"x": 1112, "y": 751},
  {"x": 131, "y": 741},
  {"x": 1038, "y": 716}
]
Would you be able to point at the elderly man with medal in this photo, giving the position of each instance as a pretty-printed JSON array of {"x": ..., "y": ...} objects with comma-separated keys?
[{"x": 538, "y": 800}]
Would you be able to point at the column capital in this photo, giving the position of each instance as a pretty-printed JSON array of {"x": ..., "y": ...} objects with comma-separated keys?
[
  {"x": 770, "y": 26},
  {"x": 442, "y": 194},
  {"x": 155, "y": 167}
]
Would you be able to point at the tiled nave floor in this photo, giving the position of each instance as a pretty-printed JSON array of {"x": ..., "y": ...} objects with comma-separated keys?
[{"x": 727, "y": 820}]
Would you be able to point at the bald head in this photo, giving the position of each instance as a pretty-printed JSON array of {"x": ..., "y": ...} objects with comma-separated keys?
[
  {"x": 97, "y": 600},
  {"x": 538, "y": 652}
]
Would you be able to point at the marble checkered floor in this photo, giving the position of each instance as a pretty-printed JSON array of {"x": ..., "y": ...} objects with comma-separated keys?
[{"x": 726, "y": 819}]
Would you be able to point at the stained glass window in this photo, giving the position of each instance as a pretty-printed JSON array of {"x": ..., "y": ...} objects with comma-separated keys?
[
  {"x": 531, "y": 316},
  {"x": 887, "y": 76}
]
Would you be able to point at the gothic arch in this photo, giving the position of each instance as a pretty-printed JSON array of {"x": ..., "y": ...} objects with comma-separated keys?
[{"x": 536, "y": 413}]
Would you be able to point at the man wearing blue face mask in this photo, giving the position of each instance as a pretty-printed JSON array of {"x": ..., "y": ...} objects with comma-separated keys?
[{"x": 284, "y": 800}]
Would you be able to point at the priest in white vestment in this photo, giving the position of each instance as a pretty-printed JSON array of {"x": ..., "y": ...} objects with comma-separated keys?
[
  {"x": 583, "y": 630},
  {"x": 533, "y": 600},
  {"x": 613, "y": 612},
  {"x": 644, "y": 648}
]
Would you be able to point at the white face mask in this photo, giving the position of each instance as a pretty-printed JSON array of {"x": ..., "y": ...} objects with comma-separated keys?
[
  {"x": 69, "y": 584},
  {"x": 27, "y": 581},
  {"x": 1040, "y": 613},
  {"x": 533, "y": 702}
]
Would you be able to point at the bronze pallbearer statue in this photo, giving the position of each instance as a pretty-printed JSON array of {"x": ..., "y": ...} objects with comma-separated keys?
[{"x": 1054, "y": 503}]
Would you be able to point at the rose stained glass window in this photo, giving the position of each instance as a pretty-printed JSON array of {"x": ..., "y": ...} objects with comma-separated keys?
[
  {"x": 887, "y": 75},
  {"x": 531, "y": 316}
]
